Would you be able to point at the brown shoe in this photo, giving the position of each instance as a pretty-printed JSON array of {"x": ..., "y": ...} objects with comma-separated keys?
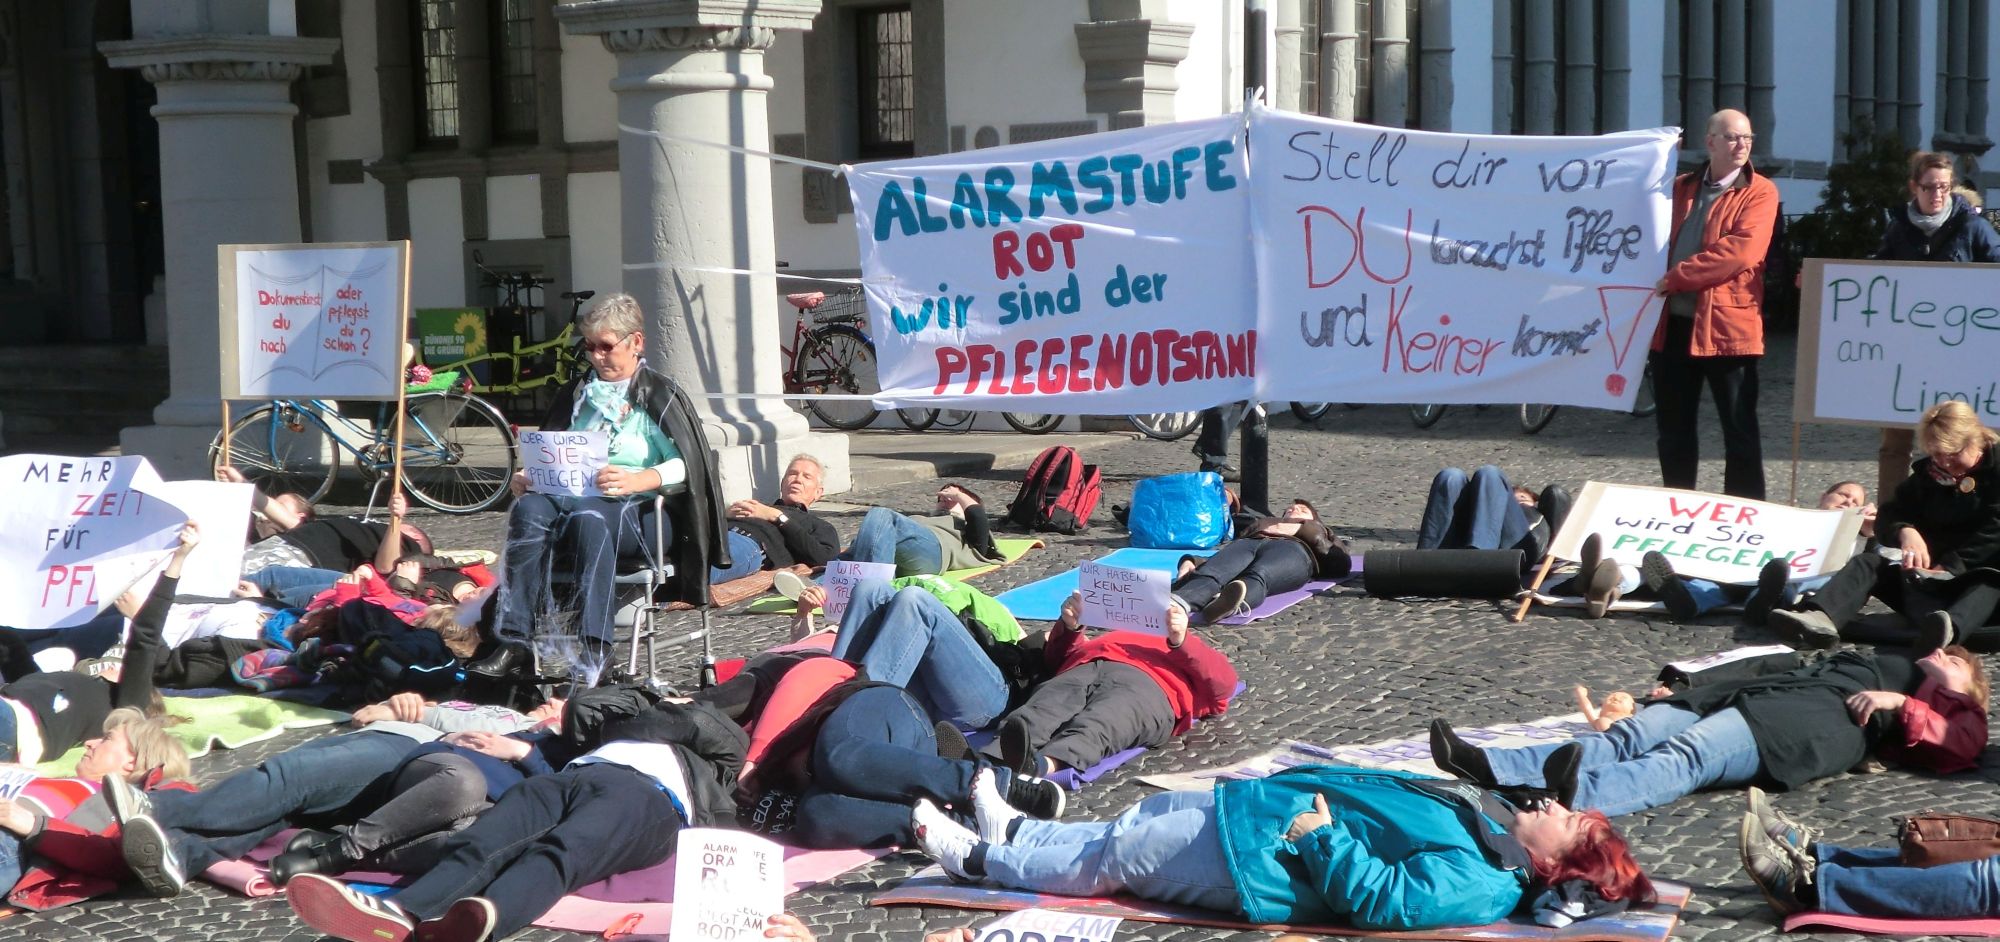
[{"x": 1600, "y": 590}]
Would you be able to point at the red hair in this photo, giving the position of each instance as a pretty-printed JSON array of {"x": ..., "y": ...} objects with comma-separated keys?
[{"x": 1601, "y": 858}]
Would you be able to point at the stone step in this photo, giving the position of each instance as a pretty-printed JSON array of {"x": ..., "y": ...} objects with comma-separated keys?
[
  {"x": 95, "y": 400},
  {"x": 67, "y": 367}
]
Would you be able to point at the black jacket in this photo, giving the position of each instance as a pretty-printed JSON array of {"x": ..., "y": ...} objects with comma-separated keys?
[
  {"x": 1799, "y": 717},
  {"x": 803, "y": 538},
  {"x": 1966, "y": 236},
  {"x": 1962, "y": 528},
  {"x": 709, "y": 746},
  {"x": 698, "y": 516}
]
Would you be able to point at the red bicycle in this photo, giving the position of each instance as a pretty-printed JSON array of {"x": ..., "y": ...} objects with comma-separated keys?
[{"x": 831, "y": 354}]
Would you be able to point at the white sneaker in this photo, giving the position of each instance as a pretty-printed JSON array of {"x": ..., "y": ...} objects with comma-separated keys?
[
  {"x": 332, "y": 907},
  {"x": 995, "y": 816},
  {"x": 150, "y": 856},
  {"x": 942, "y": 839},
  {"x": 787, "y": 583},
  {"x": 126, "y": 802}
]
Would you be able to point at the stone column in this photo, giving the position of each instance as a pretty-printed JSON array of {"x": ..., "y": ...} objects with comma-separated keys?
[
  {"x": 1130, "y": 52},
  {"x": 1338, "y": 52},
  {"x": 1503, "y": 66},
  {"x": 227, "y": 174},
  {"x": 1538, "y": 75},
  {"x": 1616, "y": 110},
  {"x": 1286, "y": 45},
  {"x": 1389, "y": 65},
  {"x": 1434, "y": 52},
  {"x": 1580, "y": 67},
  {"x": 694, "y": 71}
]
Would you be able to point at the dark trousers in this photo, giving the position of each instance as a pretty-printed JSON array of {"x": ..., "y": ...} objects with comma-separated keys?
[
  {"x": 875, "y": 756},
  {"x": 1970, "y": 603},
  {"x": 591, "y": 534},
  {"x": 1266, "y": 567},
  {"x": 1211, "y": 444},
  {"x": 1732, "y": 382},
  {"x": 546, "y": 837},
  {"x": 1093, "y": 711},
  {"x": 433, "y": 796}
]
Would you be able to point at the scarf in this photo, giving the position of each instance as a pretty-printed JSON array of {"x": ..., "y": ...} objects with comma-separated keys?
[{"x": 1930, "y": 224}]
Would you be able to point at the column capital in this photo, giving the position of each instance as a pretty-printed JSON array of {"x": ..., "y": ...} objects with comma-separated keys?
[
  {"x": 699, "y": 24},
  {"x": 238, "y": 58},
  {"x": 689, "y": 38}
]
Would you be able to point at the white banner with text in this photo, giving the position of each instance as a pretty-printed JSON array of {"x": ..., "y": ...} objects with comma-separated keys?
[
  {"x": 1708, "y": 536},
  {"x": 1880, "y": 342}
]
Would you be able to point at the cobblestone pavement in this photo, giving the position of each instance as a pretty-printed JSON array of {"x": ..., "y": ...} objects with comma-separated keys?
[{"x": 1343, "y": 669}]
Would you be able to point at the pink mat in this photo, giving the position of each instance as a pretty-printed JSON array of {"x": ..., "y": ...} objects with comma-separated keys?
[{"x": 1883, "y": 925}]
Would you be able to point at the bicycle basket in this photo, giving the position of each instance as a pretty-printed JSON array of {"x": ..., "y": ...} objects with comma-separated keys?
[
  {"x": 847, "y": 307},
  {"x": 440, "y": 381}
]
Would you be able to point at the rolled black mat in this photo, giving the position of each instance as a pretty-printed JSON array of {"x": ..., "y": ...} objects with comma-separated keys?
[{"x": 1457, "y": 573}]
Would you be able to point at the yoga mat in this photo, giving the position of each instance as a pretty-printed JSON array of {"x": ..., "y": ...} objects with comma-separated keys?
[
  {"x": 1075, "y": 779},
  {"x": 1885, "y": 925},
  {"x": 1042, "y": 600},
  {"x": 1403, "y": 755},
  {"x": 1011, "y": 549},
  {"x": 932, "y": 888},
  {"x": 1273, "y": 604},
  {"x": 231, "y": 722},
  {"x": 653, "y": 890}
]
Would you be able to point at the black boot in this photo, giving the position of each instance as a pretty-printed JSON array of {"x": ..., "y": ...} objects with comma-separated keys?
[
  {"x": 1458, "y": 757},
  {"x": 509, "y": 659},
  {"x": 1016, "y": 751},
  {"x": 325, "y": 857},
  {"x": 1559, "y": 773}
]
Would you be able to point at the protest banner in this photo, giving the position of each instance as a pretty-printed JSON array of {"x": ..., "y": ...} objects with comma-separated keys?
[
  {"x": 1880, "y": 342},
  {"x": 313, "y": 320},
  {"x": 1109, "y": 273},
  {"x": 1048, "y": 925},
  {"x": 1122, "y": 599},
  {"x": 1412, "y": 266},
  {"x": 222, "y": 511},
  {"x": 14, "y": 779},
  {"x": 1708, "y": 536},
  {"x": 564, "y": 462},
  {"x": 842, "y": 575},
  {"x": 726, "y": 884},
  {"x": 77, "y": 532}
]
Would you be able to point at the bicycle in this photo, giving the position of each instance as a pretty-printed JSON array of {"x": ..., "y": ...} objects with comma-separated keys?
[
  {"x": 458, "y": 450},
  {"x": 523, "y": 371},
  {"x": 830, "y": 352}
]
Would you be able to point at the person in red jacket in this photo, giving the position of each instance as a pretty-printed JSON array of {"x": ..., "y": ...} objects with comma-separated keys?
[
  {"x": 1114, "y": 692},
  {"x": 1712, "y": 331}
]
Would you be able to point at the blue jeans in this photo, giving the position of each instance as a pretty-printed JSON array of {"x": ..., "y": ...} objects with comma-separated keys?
[
  {"x": 339, "y": 774},
  {"x": 889, "y": 537},
  {"x": 89, "y": 639},
  {"x": 592, "y": 533},
  {"x": 1872, "y": 881},
  {"x": 876, "y": 755},
  {"x": 1708, "y": 595},
  {"x": 745, "y": 557},
  {"x": 293, "y": 586},
  {"x": 1167, "y": 847},
  {"x": 1475, "y": 513},
  {"x": 910, "y": 639},
  {"x": 1661, "y": 753}
]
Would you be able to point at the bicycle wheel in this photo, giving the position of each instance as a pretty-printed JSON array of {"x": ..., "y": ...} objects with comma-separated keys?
[
  {"x": 1032, "y": 423},
  {"x": 839, "y": 360},
  {"x": 1166, "y": 426},
  {"x": 956, "y": 418},
  {"x": 282, "y": 451},
  {"x": 458, "y": 452},
  {"x": 916, "y": 420},
  {"x": 1644, "y": 404},
  {"x": 1536, "y": 416},
  {"x": 1311, "y": 411},
  {"x": 1426, "y": 415}
]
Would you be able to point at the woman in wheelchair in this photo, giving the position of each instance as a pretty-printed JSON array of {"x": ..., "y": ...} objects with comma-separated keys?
[{"x": 655, "y": 444}]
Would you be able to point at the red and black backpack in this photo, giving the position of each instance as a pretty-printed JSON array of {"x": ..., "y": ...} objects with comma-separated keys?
[{"x": 1059, "y": 492}]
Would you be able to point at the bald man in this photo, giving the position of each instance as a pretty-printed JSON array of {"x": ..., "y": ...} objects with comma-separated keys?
[{"x": 1712, "y": 331}]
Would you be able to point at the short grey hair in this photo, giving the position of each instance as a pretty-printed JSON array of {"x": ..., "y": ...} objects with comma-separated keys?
[
  {"x": 618, "y": 313},
  {"x": 814, "y": 461}
]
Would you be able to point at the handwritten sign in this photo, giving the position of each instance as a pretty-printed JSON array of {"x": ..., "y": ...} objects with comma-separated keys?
[
  {"x": 1122, "y": 599},
  {"x": 1880, "y": 342},
  {"x": 564, "y": 462},
  {"x": 842, "y": 575},
  {"x": 1709, "y": 536},
  {"x": 1107, "y": 273},
  {"x": 1047, "y": 925},
  {"x": 75, "y": 533},
  {"x": 14, "y": 779},
  {"x": 726, "y": 884},
  {"x": 321, "y": 321}
]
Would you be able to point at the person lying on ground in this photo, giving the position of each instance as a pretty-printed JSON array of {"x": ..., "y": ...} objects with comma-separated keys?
[
  {"x": 293, "y": 566},
  {"x": 1944, "y": 523},
  {"x": 909, "y": 636},
  {"x": 783, "y": 533},
  {"x": 1798, "y": 871},
  {"x": 269, "y": 515},
  {"x": 1483, "y": 511},
  {"x": 959, "y": 536},
  {"x": 1120, "y": 690},
  {"x": 1273, "y": 555},
  {"x": 1316, "y": 845},
  {"x": 1780, "y": 730}
]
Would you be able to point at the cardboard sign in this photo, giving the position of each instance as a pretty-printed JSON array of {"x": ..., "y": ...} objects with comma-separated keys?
[
  {"x": 1122, "y": 599},
  {"x": 1709, "y": 536},
  {"x": 222, "y": 511},
  {"x": 1880, "y": 342},
  {"x": 1048, "y": 925},
  {"x": 726, "y": 885},
  {"x": 564, "y": 462},
  {"x": 843, "y": 575},
  {"x": 313, "y": 320}
]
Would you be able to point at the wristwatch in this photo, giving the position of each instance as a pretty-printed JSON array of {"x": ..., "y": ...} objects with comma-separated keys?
[{"x": 783, "y": 519}]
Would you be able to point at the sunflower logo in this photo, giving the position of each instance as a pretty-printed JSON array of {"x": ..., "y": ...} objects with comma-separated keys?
[{"x": 472, "y": 327}]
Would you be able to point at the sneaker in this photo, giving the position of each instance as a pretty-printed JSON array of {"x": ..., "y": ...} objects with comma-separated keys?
[
  {"x": 1017, "y": 751},
  {"x": 150, "y": 857},
  {"x": 1659, "y": 577},
  {"x": 940, "y": 838},
  {"x": 1934, "y": 631},
  {"x": 787, "y": 583},
  {"x": 1039, "y": 797},
  {"x": 471, "y": 919},
  {"x": 332, "y": 907},
  {"x": 951, "y": 742},
  {"x": 126, "y": 801},
  {"x": 1807, "y": 629},
  {"x": 1779, "y": 826},
  {"x": 994, "y": 815},
  {"x": 1227, "y": 602},
  {"x": 1784, "y": 877},
  {"x": 1770, "y": 591}
]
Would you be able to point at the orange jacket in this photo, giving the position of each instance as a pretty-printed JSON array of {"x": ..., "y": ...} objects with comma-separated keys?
[{"x": 1728, "y": 270}]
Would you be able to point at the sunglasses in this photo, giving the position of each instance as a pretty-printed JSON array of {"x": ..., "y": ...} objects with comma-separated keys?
[{"x": 604, "y": 349}]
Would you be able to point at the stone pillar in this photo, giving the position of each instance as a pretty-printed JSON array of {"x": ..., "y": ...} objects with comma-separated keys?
[
  {"x": 1580, "y": 67},
  {"x": 1286, "y": 45},
  {"x": 1338, "y": 53},
  {"x": 227, "y": 174},
  {"x": 1763, "y": 78},
  {"x": 1538, "y": 73},
  {"x": 694, "y": 71},
  {"x": 1389, "y": 64},
  {"x": 1434, "y": 52},
  {"x": 1130, "y": 51},
  {"x": 1616, "y": 110},
  {"x": 1888, "y": 47},
  {"x": 1699, "y": 101},
  {"x": 1503, "y": 66},
  {"x": 1977, "y": 69}
]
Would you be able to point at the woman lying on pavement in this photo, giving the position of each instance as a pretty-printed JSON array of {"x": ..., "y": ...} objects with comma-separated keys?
[
  {"x": 1316, "y": 845},
  {"x": 1781, "y": 730},
  {"x": 1797, "y": 872},
  {"x": 1273, "y": 555},
  {"x": 912, "y": 639}
]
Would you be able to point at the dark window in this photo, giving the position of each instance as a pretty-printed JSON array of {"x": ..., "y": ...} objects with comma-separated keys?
[
  {"x": 887, "y": 93},
  {"x": 437, "y": 73},
  {"x": 514, "y": 72},
  {"x": 1309, "y": 38}
]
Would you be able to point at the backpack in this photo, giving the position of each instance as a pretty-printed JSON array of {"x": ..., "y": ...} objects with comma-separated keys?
[{"x": 1059, "y": 492}]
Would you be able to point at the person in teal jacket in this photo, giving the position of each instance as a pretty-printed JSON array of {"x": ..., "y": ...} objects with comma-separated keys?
[{"x": 1314, "y": 845}]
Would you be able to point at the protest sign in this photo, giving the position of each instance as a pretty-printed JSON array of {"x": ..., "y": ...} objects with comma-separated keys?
[
  {"x": 14, "y": 779},
  {"x": 1122, "y": 599},
  {"x": 1708, "y": 536},
  {"x": 313, "y": 320},
  {"x": 726, "y": 884},
  {"x": 1880, "y": 342},
  {"x": 77, "y": 532},
  {"x": 222, "y": 511},
  {"x": 843, "y": 575},
  {"x": 1412, "y": 266},
  {"x": 1108, "y": 273},
  {"x": 564, "y": 462},
  {"x": 1048, "y": 925}
]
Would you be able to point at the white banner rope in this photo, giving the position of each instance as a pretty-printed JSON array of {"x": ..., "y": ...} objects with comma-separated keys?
[{"x": 835, "y": 169}]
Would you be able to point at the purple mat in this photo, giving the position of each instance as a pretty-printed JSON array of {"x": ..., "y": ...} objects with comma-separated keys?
[
  {"x": 1075, "y": 779},
  {"x": 1277, "y": 603}
]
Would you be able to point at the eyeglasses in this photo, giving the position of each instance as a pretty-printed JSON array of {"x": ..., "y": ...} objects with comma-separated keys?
[
  {"x": 604, "y": 349},
  {"x": 1735, "y": 139},
  {"x": 1934, "y": 187}
]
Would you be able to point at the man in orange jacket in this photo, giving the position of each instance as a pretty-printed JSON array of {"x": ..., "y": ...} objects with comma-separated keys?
[{"x": 1712, "y": 330}]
